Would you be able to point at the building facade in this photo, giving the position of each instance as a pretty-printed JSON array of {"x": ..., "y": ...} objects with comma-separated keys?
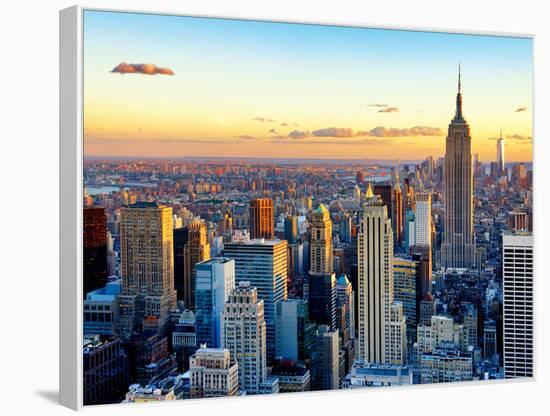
[
  {"x": 215, "y": 279},
  {"x": 262, "y": 218},
  {"x": 147, "y": 267},
  {"x": 243, "y": 334},
  {"x": 212, "y": 374},
  {"x": 196, "y": 250},
  {"x": 263, "y": 263},
  {"x": 517, "y": 276}
]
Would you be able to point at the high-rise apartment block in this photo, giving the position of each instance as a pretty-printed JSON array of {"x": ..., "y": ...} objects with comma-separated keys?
[{"x": 517, "y": 277}]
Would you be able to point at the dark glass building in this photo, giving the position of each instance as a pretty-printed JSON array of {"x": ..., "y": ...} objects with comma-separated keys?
[{"x": 95, "y": 249}]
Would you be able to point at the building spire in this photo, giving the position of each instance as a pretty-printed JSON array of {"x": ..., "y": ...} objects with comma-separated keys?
[
  {"x": 459, "y": 77},
  {"x": 369, "y": 194},
  {"x": 458, "y": 114}
]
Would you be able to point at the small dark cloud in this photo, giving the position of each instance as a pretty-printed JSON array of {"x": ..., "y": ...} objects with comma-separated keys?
[
  {"x": 521, "y": 109},
  {"x": 246, "y": 137},
  {"x": 284, "y": 124},
  {"x": 389, "y": 110},
  {"x": 272, "y": 131},
  {"x": 263, "y": 119},
  {"x": 146, "y": 69},
  {"x": 378, "y": 105},
  {"x": 297, "y": 134}
]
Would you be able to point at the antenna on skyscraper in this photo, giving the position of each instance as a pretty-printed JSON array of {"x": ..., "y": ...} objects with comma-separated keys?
[{"x": 459, "y": 77}]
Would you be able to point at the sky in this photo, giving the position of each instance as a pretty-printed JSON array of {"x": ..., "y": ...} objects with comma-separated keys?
[{"x": 233, "y": 88}]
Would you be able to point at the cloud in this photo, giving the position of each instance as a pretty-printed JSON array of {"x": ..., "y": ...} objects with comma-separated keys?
[
  {"x": 334, "y": 132},
  {"x": 341, "y": 141},
  {"x": 297, "y": 134},
  {"x": 382, "y": 131},
  {"x": 519, "y": 137},
  {"x": 521, "y": 109},
  {"x": 262, "y": 119},
  {"x": 389, "y": 110},
  {"x": 146, "y": 69},
  {"x": 272, "y": 131},
  {"x": 378, "y": 105},
  {"x": 284, "y": 124},
  {"x": 246, "y": 137}
]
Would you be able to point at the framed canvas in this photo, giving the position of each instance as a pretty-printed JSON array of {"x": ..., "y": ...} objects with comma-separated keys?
[{"x": 252, "y": 207}]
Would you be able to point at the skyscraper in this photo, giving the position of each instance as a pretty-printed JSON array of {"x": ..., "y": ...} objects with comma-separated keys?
[
  {"x": 294, "y": 332},
  {"x": 517, "y": 277},
  {"x": 325, "y": 367},
  {"x": 458, "y": 247},
  {"x": 345, "y": 299},
  {"x": 321, "y": 262},
  {"x": 196, "y": 250},
  {"x": 500, "y": 154},
  {"x": 181, "y": 238},
  {"x": 404, "y": 283},
  {"x": 263, "y": 263},
  {"x": 244, "y": 336},
  {"x": 262, "y": 218},
  {"x": 322, "y": 280},
  {"x": 215, "y": 279},
  {"x": 423, "y": 219},
  {"x": 95, "y": 249},
  {"x": 105, "y": 370},
  {"x": 375, "y": 283},
  {"x": 398, "y": 213},
  {"x": 291, "y": 229},
  {"x": 147, "y": 266}
]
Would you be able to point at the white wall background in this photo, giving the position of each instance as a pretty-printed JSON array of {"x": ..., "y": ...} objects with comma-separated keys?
[{"x": 29, "y": 195}]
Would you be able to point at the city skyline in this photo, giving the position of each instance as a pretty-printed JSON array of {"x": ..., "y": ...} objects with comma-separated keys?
[
  {"x": 363, "y": 258},
  {"x": 294, "y": 90}
]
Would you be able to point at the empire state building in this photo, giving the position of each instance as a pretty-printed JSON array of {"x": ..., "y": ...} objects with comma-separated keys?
[{"x": 458, "y": 248}]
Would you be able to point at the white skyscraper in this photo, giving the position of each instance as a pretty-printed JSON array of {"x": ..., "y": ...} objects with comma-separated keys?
[
  {"x": 423, "y": 219},
  {"x": 375, "y": 285},
  {"x": 517, "y": 279},
  {"x": 245, "y": 337}
]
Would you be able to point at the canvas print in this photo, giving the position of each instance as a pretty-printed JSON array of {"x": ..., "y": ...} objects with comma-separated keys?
[{"x": 273, "y": 208}]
